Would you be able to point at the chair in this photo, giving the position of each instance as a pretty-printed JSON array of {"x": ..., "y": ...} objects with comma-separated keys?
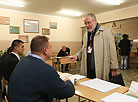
[{"x": 6, "y": 100}]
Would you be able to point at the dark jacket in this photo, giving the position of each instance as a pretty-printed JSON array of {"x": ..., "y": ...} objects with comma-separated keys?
[
  {"x": 124, "y": 46},
  {"x": 1, "y": 63},
  {"x": 9, "y": 64},
  {"x": 62, "y": 53},
  {"x": 35, "y": 81},
  {"x": 67, "y": 51}
]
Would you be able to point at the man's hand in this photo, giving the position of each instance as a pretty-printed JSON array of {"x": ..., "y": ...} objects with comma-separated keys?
[
  {"x": 114, "y": 72},
  {"x": 73, "y": 58},
  {"x": 66, "y": 79}
]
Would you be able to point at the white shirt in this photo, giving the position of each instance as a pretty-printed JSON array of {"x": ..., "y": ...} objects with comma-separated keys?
[
  {"x": 36, "y": 56},
  {"x": 16, "y": 55}
]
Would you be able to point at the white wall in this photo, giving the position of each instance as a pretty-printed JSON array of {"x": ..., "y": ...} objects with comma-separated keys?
[
  {"x": 67, "y": 29},
  {"x": 115, "y": 15},
  {"x": 120, "y": 14}
]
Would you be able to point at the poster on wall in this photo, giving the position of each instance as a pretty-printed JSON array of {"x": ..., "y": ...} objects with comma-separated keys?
[
  {"x": 4, "y": 20},
  {"x": 31, "y": 26},
  {"x": 45, "y": 31},
  {"x": 118, "y": 38},
  {"x": 24, "y": 38},
  {"x": 53, "y": 25},
  {"x": 14, "y": 30}
]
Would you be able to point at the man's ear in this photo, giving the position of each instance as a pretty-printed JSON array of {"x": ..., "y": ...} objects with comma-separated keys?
[
  {"x": 15, "y": 48},
  {"x": 45, "y": 51}
]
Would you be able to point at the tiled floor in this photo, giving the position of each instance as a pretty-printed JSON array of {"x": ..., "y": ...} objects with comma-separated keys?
[{"x": 129, "y": 75}]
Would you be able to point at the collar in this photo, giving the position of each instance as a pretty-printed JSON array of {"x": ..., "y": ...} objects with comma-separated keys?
[
  {"x": 101, "y": 29},
  {"x": 16, "y": 55},
  {"x": 97, "y": 27},
  {"x": 36, "y": 56}
]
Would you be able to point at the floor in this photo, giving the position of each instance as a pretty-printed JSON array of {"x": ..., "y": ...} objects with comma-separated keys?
[{"x": 129, "y": 75}]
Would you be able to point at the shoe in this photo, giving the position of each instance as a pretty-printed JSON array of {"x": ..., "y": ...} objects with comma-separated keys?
[{"x": 125, "y": 68}]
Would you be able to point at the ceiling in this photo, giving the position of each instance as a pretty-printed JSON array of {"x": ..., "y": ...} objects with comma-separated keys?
[{"x": 51, "y": 7}]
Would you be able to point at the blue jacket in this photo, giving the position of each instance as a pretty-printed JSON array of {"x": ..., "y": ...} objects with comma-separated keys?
[{"x": 35, "y": 81}]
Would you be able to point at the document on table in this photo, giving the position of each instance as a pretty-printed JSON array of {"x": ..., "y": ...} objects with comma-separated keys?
[
  {"x": 58, "y": 57},
  {"x": 133, "y": 88},
  {"x": 118, "y": 97},
  {"x": 76, "y": 76},
  {"x": 100, "y": 85},
  {"x": 58, "y": 72},
  {"x": 64, "y": 75}
]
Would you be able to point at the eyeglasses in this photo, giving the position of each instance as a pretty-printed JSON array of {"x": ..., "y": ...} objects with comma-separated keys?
[{"x": 88, "y": 22}]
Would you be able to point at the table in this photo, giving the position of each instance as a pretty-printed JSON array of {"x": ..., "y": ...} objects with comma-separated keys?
[
  {"x": 64, "y": 60},
  {"x": 94, "y": 95},
  {"x": 133, "y": 53},
  {"x": 59, "y": 61}
]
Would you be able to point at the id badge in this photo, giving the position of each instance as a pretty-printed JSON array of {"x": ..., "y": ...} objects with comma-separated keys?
[{"x": 89, "y": 49}]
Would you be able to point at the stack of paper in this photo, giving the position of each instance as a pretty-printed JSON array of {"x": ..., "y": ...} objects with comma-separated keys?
[
  {"x": 58, "y": 57},
  {"x": 78, "y": 77},
  {"x": 133, "y": 88},
  {"x": 62, "y": 75},
  {"x": 117, "y": 97},
  {"x": 100, "y": 85},
  {"x": 58, "y": 72}
]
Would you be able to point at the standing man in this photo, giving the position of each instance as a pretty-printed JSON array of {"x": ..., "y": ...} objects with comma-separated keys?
[
  {"x": 33, "y": 80},
  {"x": 125, "y": 48},
  {"x": 98, "y": 53},
  {"x": 13, "y": 58}
]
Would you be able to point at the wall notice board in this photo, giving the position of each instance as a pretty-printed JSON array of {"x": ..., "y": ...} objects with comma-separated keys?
[
  {"x": 4, "y": 20},
  {"x": 24, "y": 38},
  {"x": 14, "y": 30}
]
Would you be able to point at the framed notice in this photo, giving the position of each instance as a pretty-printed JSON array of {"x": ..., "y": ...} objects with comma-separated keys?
[
  {"x": 45, "y": 31},
  {"x": 4, "y": 20},
  {"x": 14, "y": 30},
  {"x": 24, "y": 38},
  {"x": 53, "y": 25},
  {"x": 31, "y": 26}
]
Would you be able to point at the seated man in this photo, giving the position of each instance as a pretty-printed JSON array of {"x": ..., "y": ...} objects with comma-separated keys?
[
  {"x": 33, "y": 80},
  {"x": 13, "y": 58},
  {"x": 64, "y": 52}
]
